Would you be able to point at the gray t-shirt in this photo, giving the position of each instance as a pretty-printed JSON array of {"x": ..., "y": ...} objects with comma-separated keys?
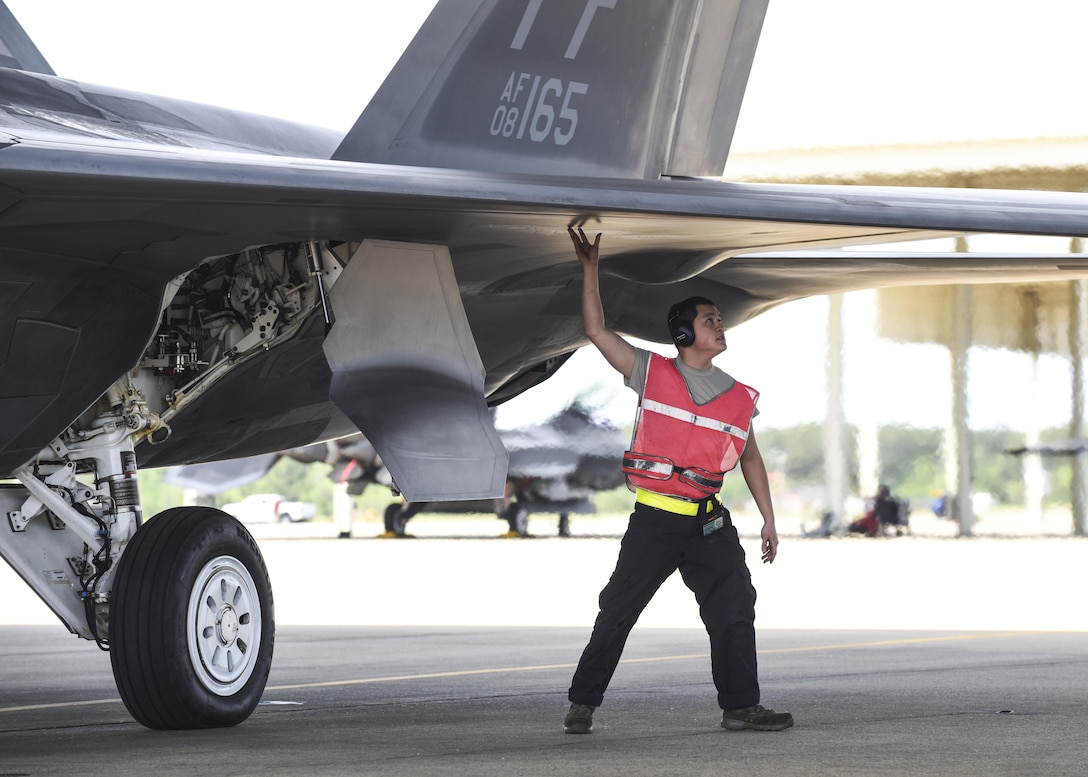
[{"x": 703, "y": 385}]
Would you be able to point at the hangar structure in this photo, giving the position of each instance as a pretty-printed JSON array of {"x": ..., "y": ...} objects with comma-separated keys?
[{"x": 1032, "y": 318}]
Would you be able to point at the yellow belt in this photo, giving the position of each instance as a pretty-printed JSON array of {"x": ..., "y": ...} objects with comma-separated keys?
[{"x": 670, "y": 504}]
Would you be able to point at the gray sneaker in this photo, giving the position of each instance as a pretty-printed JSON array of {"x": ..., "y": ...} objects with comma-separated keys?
[
  {"x": 579, "y": 719},
  {"x": 756, "y": 718}
]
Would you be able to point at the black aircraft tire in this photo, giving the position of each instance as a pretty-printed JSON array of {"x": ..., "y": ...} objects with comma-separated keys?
[
  {"x": 192, "y": 624},
  {"x": 396, "y": 519},
  {"x": 390, "y": 516},
  {"x": 519, "y": 520}
]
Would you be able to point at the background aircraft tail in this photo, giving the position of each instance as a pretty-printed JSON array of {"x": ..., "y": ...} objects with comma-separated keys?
[
  {"x": 17, "y": 50},
  {"x": 614, "y": 88}
]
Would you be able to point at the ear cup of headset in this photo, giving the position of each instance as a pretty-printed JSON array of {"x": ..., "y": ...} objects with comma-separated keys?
[{"x": 682, "y": 332}]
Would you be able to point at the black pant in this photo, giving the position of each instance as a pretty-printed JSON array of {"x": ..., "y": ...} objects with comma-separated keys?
[{"x": 656, "y": 544}]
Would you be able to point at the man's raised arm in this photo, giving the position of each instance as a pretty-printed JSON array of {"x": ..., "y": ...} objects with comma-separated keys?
[{"x": 616, "y": 351}]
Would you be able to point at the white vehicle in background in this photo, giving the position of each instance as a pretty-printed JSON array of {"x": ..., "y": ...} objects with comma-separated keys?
[{"x": 270, "y": 508}]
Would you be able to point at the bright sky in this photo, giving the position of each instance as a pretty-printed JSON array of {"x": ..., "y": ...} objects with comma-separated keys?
[{"x": 828, "y": 73}]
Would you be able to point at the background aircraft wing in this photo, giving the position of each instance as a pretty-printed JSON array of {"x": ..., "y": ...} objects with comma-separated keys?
[{"x": 217, "y": 477}]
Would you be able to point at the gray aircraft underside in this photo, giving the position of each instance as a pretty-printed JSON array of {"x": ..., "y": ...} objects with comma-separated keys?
[{"x": 181, "y": 283}]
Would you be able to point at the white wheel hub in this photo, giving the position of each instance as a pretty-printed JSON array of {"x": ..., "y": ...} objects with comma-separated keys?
[{"x": 224, "y": 625}]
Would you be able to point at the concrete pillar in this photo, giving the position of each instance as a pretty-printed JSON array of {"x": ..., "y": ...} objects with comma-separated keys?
[
  {"x": 342, "y": 506},
  {"x": 1078, "y": 339},
  {"x": 834, "y": 423},
  {"x": 1034, "y": 472},
  {"x": 863, "y": 347},
  {"x": 958, "y": 443}
]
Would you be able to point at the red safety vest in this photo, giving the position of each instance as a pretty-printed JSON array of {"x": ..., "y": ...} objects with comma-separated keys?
[{"x": 680, "y": 448}]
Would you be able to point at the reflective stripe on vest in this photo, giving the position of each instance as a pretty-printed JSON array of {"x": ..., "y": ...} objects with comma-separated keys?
[
  {"x": 691, "y": 418},
  {"x": 661, "y": 468}
]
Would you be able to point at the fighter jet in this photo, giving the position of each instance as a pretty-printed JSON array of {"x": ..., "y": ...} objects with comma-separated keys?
[
  {"x": 555, "y": 467},
  {"x": 1068, "y": 447},
  {"x": 183, "y": 283}
]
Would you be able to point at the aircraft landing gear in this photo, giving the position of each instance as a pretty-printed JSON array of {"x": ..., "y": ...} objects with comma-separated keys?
[
  {"x": 194, "y": 655},
  {"x": 518, "y": 517},
  {"x": 397, "y": 516}
]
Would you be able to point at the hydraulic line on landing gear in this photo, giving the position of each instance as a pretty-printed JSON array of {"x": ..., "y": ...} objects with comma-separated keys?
[{"x": 100, "y": 563}]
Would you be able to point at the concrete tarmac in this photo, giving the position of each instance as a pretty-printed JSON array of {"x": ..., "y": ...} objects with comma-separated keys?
[{"x": 905, "y": 656}]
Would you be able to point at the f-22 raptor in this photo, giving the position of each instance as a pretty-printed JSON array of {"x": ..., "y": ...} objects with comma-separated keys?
[{"x": 182, "y": 283}]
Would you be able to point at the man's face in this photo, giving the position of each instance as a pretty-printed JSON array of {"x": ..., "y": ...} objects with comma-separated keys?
[{"x": 709, "y": 332}]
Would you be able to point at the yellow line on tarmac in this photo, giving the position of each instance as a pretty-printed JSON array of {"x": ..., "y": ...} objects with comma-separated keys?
[
  {"x": 549, "y": 667},
  {"x": 56, "y": 705},
  {"x": 910, "y": 641},
  {"x": 652, "y": 659}
]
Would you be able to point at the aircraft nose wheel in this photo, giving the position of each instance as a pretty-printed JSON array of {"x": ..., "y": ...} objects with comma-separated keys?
[{"x": 192, "y": 623}]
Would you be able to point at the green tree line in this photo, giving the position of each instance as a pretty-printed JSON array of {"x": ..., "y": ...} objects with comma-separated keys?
[{"x": 911, "y": 464}]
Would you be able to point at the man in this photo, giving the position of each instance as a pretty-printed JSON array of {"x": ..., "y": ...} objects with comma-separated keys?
[{"x": 693, "y": 425}]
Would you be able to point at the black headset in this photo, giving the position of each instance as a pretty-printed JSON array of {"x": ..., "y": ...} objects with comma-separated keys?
[{"x": 681, "y": 329}]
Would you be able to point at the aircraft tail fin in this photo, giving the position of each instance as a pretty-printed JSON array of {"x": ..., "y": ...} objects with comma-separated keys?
[
  {"x": 612, "y": 88},
  {"x": 17, "y": 50}
]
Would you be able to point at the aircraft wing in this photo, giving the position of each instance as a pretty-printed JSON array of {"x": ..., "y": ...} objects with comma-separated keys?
[
  {"x": 130, "y": 219},
  {"x": 243, "y": 292}
]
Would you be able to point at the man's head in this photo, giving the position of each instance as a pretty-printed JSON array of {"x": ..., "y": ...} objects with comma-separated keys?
[{"x": 682, "y": 320}]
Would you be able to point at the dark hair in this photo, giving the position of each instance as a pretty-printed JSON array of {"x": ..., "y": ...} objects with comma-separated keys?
[{"x": 681, "y": 320}]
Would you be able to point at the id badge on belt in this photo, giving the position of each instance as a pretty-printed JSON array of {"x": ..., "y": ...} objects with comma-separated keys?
[{"x": 714, "y": 520}]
